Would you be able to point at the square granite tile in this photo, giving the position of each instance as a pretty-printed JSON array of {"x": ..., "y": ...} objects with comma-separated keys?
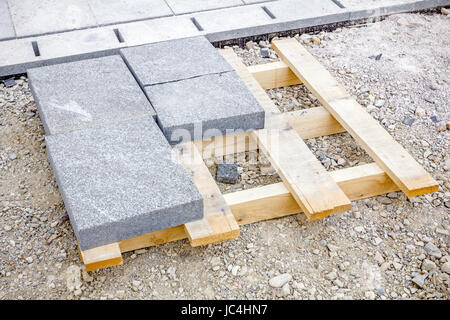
[
  {"x": 205, "y": 106},
  {"x": 87, "y": 93},
  {"x": 174, "y": 60},
  {"x": 120, "y": 181}
]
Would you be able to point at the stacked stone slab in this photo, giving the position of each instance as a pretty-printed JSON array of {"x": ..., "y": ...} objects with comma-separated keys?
[
  {"x": 116, "y": 172},
  {"x": 194, "y": 91},
  {"x": 89, "y": 93}
]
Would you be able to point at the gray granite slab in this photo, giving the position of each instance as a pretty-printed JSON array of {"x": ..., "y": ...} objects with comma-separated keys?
[
  {"x": 231, "y": 23},
  {"x": 183, "y": 6},
  {"x": 174, "y": 60},
  {"x": 6, "y": 25},
  {"x": 110, "y": 12},
  {"x": 304, "y": 9},
  {"x": 37, "y": 17},
  {"x": 205, "y": 106},
  {"x": 87, "y": 93},
  {"x": 120, "y": 181}
]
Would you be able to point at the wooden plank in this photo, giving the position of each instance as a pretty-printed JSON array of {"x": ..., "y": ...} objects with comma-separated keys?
[
  {"x": 310, "y": 184},
  {"x": 102, "y": 257},
  {"x": 259, "y": 204},
  {"x": 218, "y": 223},
  {"x": 401, "y": 167},
  {"x": 275, "y": 201},
  {"x": 313, "y": 122},
  {"x": 274, "y": 75}
]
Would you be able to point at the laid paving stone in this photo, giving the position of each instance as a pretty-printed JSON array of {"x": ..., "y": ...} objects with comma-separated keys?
[
  {"x": 6, "y": 26},
  {"x": 232, "y": 23},
  {"x": 37, "y": 17},
  {"x": 87, "y": 93},
  {"x": 110, "y": 12},
  {"x": 205, "y": 106},
  {"x": 227, "y": 173},
  {"x": 156, "y": 30},
  {"x": 256, "y": 1},
  {"x": 16, "y": 56},
  {"x": 174, "y": 60},
  {"x": 119, "y": 181},
  {"x": 303, "y": 13},
  {"x": 183, "y": 6}
]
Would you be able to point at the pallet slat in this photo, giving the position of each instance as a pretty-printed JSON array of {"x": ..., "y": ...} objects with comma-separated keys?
[
  {"x": 274, "y": 75},
  {"x": 412, "y": 179},
  {"x": 310, "y": 184},
  {"x": 102, "y": 257},
  {"x": 313, "y": 122},
  {"x": 218, "y": 223},
  {"x": 269, "y": 202}
]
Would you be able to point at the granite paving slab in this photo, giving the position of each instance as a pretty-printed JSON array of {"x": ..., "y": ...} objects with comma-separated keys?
[
  {"x": 174, "y": 60},
  {"x": 183, "y": 6},
  {"x": 111, "y": 12},
  {"x": 203, "y": 107},
  {"x": 89, "y": 93},
  {"x": 37, "y": 17},
  {"x": 119, "y": 181},
  {"x": 156, "y": 30},
  {"x": 6, "y": 25},
  {"x": 252, "y": 19}
]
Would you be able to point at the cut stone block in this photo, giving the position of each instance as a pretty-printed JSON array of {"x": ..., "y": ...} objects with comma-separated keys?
[
  {"x": 227, "y": 173},
  {"x": 120, "y": 181},
  {"x": 87, "y": 93},
  {"x": 111, "y": 12},
  {"x": 6, "y": 26},
  {"x": 174, "y": 60},
  {"x": 37, "y": 17},
  {"x": 183, "y": 6},
  {"x": 204, "y": 107}
]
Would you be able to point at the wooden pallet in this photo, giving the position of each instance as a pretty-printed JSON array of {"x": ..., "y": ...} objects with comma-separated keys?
[{"x": 306, "y": 185}]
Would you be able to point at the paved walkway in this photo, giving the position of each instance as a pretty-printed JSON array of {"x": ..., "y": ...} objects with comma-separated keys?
[{"x": 36, "y": 33}]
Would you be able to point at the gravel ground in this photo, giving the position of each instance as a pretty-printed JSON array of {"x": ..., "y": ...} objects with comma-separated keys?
[{"x": 384, "y": 248}]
